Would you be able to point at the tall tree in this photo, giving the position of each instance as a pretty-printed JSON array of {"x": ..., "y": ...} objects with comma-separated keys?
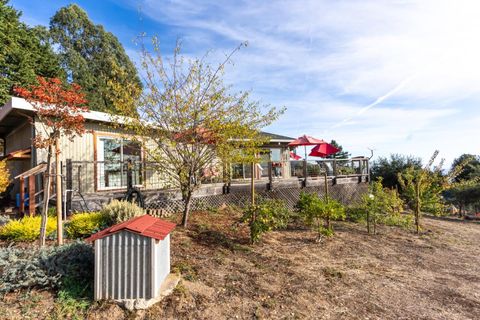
[
  {"x": 192, "y": 122},
  {"x": 342, "y": 154},
  {"x": 93, "y": 58},
  {"x": 24, "y": 52}
]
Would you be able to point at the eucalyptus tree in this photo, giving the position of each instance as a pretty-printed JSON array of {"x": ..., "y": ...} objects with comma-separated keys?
[{"x": 93, "y": 58}]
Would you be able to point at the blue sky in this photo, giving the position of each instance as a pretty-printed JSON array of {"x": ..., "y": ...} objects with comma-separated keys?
[{"x": 400, "y": 76}]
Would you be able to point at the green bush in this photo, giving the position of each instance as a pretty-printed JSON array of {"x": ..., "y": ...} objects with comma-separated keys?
[
  {"x": 26, "y": 229},
  {"x": 121, "y": 211},
  {"x": 399, "y": 220},
  {"x": 84, "y": 224},
  {"x": 48, "y": 267},
  {"x": 383, "y": 206},
  {"x": 313, "y": 210},
  {"x": 356, "y": 213},
  {"x": 267, "y": 215}
]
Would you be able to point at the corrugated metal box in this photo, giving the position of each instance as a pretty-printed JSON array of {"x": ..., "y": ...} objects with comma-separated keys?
[{"x": 132, "y": 259}]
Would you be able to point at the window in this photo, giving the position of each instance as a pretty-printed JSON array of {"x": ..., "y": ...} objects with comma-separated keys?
[{"x": 112, "y": 158}]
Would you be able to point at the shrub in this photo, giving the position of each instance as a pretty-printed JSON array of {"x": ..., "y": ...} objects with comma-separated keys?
[
  {"x": 399, "y": 220},
  {"x": 4, "y": 176},
  {"x": 383, "y": 206},
  {"x": 26, "y": 229},
  {"x": 48, "y": 267},
  {"x": 356, "y": 213},
  {"x": 120, "y": 211},
  {"x": 267, "y": 215},
  {"x": 313, "y": 210},
  {"x": 84, "y": 224}
]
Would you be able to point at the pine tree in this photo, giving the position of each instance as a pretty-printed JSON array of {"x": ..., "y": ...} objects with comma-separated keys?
[
  {"x": 25, "y": 52},
  {"x": 340, "y": 154}
]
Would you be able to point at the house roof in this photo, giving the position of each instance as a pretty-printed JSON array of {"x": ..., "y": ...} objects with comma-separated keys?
[
  {"x": 16, "y": 107},
  {"x": 145, "y": 225},
  {"x": 277, "y": 137},
  {"x": 20, "y": 105}
]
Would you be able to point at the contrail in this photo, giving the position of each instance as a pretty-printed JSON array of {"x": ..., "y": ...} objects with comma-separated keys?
[{"x": 380, "y": 99}]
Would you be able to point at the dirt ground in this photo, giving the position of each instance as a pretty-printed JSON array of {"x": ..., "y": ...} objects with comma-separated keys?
[{"x": 393, "y": 275}]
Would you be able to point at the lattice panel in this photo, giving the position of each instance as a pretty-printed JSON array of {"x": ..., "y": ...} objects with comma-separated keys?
[{"x": 345, "y": 193}]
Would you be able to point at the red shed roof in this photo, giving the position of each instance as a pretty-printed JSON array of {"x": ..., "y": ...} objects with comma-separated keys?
[{"x": 146, "y": 225}]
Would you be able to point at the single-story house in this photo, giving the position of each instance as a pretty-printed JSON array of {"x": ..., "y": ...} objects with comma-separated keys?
[{"x": 100, "y": 154}]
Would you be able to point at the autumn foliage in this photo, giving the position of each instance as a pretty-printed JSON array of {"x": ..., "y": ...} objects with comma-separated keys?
[{"x": 59, "y": 106}]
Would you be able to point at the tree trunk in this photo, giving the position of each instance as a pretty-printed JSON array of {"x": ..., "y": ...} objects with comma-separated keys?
[
  {"x": 252, "y": 184},
  {"x": 368, "y": 221},
  {"x": 417, "y": 208},
  {"x": 46, "y": 197},
  {"x": 186, "y": 209},
  {"x": 58, "y": 170}
]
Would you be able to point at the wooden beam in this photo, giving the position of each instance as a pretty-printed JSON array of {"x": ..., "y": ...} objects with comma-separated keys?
[
  {"x": 31, "y": 195},
  {"x": 22, "y": 196}
]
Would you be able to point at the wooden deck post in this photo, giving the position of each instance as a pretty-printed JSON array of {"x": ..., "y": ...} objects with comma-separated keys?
[
  {"x": 31, "y": 195},
  {"x": 22, "y": 195},
  {"x": 305, "y": 172},
  {"x": 270, "y": 175}
]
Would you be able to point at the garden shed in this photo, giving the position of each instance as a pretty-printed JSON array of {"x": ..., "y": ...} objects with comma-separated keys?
[{"x": 132, "y": 259}]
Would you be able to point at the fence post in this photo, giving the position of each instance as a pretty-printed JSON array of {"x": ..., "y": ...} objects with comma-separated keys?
[
  {"x": 129, "y": 174},
  {"x": 335, "y": 167},
  {"x": 305, "y": 172},
  {"x": 68, "y": 185},
  {"x": 31, "y": 195},
  {"x": 270, "y": 175}
]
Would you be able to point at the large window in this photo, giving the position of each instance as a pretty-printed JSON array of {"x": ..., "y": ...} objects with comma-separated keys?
[
  {"x": 274, "y": 155},
  {"x": 112, "y": 159}
]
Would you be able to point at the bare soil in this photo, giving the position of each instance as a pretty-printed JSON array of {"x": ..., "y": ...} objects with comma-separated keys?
[{"x": 395, "y": 274}]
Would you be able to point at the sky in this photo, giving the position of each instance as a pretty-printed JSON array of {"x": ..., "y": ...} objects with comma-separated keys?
[{"x": 398, "y": 76}]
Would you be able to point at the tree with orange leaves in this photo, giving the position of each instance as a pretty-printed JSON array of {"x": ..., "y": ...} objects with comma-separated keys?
[{"x": 59, "y": 108}]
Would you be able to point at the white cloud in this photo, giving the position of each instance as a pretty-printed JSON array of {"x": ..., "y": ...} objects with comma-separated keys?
[{"x": 329, "y": 61}]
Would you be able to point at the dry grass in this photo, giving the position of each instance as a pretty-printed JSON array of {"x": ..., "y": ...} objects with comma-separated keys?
[{"x": 393, "y": 275}]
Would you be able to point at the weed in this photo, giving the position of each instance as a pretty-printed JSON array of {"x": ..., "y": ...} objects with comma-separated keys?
[
  {"x": 330, "y": 273},
  {"x": 188, "y": 271}
]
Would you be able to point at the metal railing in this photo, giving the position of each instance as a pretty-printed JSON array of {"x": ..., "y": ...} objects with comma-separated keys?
[
  {"x": 333, "y": 167},
  {"x": 93, "y": 176}
]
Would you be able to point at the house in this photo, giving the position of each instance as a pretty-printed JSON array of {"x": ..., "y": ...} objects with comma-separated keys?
[{"x": 99, "y": 157}]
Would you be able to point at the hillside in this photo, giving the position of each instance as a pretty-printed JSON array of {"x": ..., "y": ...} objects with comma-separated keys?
[{"x": 393, "y": 275}]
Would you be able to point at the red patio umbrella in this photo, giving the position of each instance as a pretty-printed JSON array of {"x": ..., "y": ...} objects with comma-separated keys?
[
  {"x": 294, "y": 156},
  {"x": 306, "y": 141},
  {"x": 323, "y": 150}
]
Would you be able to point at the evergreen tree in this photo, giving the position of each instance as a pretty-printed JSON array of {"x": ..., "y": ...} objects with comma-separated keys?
[
  {"x": 340, "y": 154},
  {"x": 93, "y": 58},
  {"x": 388, "y": 168},
  {"x": 25, "y": 52},
  {"x": 470, "y": 167}
]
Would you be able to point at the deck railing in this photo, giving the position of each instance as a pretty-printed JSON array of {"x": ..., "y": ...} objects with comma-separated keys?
[{"x": 93, "y": 176}]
